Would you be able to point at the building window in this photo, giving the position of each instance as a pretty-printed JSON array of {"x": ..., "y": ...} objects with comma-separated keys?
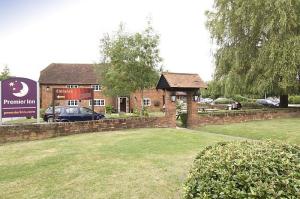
[
  {"x": 96, "y": 87},
  {"x": 73, "y": 103},
  {"x": 72, "y": 86},
  {"x": 98, "y": 102},
  {"x": 147, "y": 102}
]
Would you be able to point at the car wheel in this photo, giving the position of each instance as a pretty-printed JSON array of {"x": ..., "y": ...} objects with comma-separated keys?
[{"x": 50, "y": 119}]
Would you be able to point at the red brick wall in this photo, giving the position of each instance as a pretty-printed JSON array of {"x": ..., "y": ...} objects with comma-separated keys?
[
  {"x": 11, "y": 133},
  {"x": 48, "y": 130},
  {"x": 238, "y": 117},
  {"x": 156, "y": 97},
  {"x": 46, "y": 97},
  {"x": 192, "y": 110}
]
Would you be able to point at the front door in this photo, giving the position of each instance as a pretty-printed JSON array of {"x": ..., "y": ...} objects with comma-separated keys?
[{"x": 123, "y": 104}]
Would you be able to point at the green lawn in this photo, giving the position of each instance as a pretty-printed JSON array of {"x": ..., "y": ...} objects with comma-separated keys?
[
  {"x": 143, "y": 163},
  {"x": 287, "y": 130},
  {"x": 22, "y": 121}
]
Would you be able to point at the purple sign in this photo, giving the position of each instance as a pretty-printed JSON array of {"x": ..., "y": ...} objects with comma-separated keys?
[{"x": 19, "y": 97}]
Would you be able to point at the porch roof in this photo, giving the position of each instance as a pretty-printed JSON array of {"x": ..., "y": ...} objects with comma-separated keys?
[{"x": 180, "y": 81}]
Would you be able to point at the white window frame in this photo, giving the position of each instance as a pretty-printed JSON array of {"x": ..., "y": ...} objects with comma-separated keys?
[
  {"x": 146, "y": 99},
  {"x": 99, "y": 100},
  {"x": 72, "y": 86},
  {"x": 96, "y": 87},
  {"x": 72, "y": 102}
]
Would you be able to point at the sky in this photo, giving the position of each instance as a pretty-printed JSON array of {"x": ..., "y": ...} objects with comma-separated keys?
[{"x": 36, "y": 33}]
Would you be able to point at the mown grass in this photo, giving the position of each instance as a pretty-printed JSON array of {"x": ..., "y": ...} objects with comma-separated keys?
[
  {"x": 143, "y": 163},
  {"x": 287, "y": 130},
  {"x": 23, "y": 121}
]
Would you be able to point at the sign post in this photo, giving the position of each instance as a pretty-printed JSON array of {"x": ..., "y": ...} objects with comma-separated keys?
[
  {"x": 19, "y": 98},
  {"x": 38, "y": 103},
  {"x": 92, "y": 93},
  {"x": 53, "y": 104},
  {"x": 0, "y": 104}
]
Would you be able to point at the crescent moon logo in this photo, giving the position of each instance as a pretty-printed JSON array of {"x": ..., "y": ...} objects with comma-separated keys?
[{"x": 23, "y": 91}]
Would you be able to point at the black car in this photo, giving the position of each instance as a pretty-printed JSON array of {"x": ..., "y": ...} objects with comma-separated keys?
[{"x": 71, "y": 114}]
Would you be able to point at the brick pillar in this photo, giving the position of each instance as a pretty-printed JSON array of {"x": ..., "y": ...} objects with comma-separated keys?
[
  {"x": 170, "y": 109},
  {"x": 192, "y": 111}
]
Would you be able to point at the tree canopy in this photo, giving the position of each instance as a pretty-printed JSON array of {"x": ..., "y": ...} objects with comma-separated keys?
[
  {"x": 132, "y": 61},
  {"x": 5, "y": 73},
  {"x": 258, "y": 45}
]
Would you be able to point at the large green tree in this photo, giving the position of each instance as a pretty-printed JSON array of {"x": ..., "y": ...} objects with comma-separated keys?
[
  {"x": 258, "y": 46},
  {"x": 5, "y": 73},
  {"x": 132, "y": 61}
]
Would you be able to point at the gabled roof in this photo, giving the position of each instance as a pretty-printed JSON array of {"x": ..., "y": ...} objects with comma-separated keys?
[
  {"x": 180, "y": 81},
  {"x": 61, "y": 73}
]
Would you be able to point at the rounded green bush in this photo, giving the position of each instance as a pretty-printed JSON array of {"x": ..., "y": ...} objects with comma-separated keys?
[
  {"x": 239, "y": 98},
  {"x": 245, "y": 169},
  {"x": 291, "y": 99}
]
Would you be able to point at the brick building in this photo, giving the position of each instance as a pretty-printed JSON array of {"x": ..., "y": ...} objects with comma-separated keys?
[{"x": 58, "y": 75}]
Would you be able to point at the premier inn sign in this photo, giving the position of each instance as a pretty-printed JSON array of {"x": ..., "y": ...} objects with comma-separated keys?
[{"x": 19, "y": 98}]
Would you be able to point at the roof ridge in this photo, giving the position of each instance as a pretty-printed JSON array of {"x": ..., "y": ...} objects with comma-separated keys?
[
  {"x": 74, "y": 63},
  {"x": 180, "y": 73}
]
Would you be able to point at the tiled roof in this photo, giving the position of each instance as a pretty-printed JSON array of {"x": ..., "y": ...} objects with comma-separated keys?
[
  {"x": 183, "y": 80},
  {"x": 61, "y": 73}
]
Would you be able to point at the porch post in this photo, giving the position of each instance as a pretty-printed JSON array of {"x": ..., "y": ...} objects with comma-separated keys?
[
  {"x": 192, "y": 112},
  {"x": 170, "y": 109}
]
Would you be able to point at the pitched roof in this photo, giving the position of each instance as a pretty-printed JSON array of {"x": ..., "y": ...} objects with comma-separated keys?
[
  {"x": 61, "y": 73},
  {"x": 180, "y": 80}
]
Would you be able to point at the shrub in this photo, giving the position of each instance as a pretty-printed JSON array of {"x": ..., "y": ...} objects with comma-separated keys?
[
  {"x": 183, "y": 118},
  {"x": 239, "y": 98},
  {"x": 294, "y": 99},
  {"x": 252, "y": 105},
  {"x": 291, "y": 99},
  {"x": 136, "y": 111},
  {"x": 145, "y": 112},
  {"x": 297, "y": 99},
  {"x": 109, "y": 109},
  {"x": 245, "y": 170}
]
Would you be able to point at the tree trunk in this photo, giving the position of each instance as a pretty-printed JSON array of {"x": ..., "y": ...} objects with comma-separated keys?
[
  {"x": 284, "y": 101},
  {"x": 142, "y": 102}
]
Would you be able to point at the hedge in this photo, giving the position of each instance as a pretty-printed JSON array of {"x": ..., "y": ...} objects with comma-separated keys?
[
  {"x": 294, "y": 99},
  {"x": 247, "y": 169}
]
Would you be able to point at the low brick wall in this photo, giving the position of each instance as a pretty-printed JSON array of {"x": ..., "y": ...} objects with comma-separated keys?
[
  {"x": 242, "y": 116},
  {"x": 12, "y": 133}
]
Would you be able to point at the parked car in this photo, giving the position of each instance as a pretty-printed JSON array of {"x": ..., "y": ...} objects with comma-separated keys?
[
  {"x": 269, "y": 102},
  {"x": 71, "y": 114},
  {"x": 206, "y": 100}
]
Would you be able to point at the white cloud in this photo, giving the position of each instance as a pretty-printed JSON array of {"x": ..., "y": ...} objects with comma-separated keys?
[{"x": 72, "y": 33}]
